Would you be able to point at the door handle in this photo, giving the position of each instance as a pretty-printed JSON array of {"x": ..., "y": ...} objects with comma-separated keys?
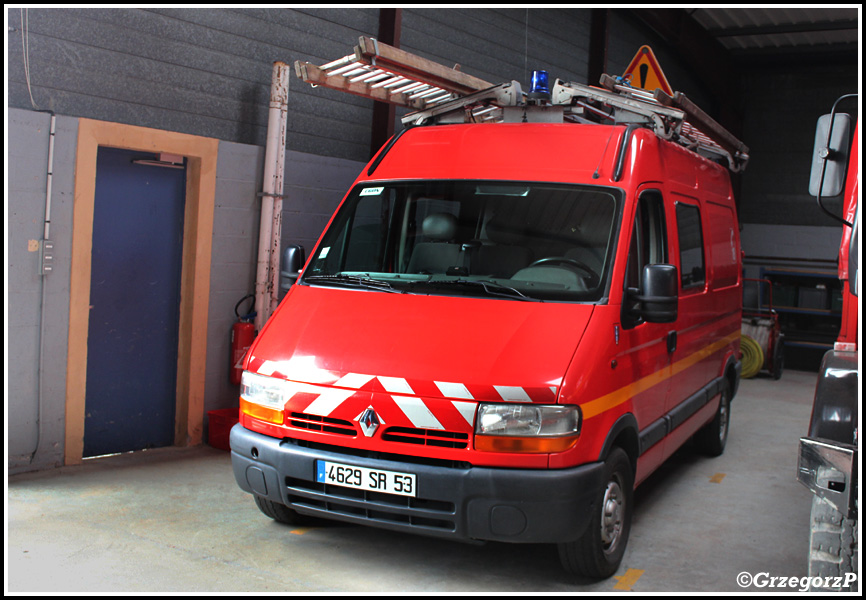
[{"x": 672, "y": 342}]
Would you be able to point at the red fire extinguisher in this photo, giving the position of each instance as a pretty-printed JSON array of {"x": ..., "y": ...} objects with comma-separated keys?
[{"x": 243, "y": 334}]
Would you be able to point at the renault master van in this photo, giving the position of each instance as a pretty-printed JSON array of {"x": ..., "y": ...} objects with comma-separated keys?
[{"x": 505, "y": 328}]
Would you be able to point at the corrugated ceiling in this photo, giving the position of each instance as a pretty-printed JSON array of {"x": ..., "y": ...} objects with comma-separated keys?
[{"x": 745, "y": 31}]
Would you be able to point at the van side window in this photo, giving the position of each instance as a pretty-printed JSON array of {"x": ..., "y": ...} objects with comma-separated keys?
[
  {"x": 693, "y": 270},
  {"x": 649, "y": 246}
]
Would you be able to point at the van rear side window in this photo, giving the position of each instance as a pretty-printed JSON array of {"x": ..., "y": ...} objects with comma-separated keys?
[{"x": 693, "y": 269}]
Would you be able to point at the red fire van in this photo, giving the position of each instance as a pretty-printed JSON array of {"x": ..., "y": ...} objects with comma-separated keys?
[{"x": 504, "y": 329}]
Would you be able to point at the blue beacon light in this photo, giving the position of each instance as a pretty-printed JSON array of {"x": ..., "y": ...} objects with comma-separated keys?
[{"x": 539, "y": 83}]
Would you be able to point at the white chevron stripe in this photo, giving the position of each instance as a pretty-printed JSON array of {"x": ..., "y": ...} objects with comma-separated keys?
[
  {"x": 328, "y": 402},
  {"x": 353, "y": 380},
  {"x": 417, "y": 412},
  {"x": 395, "y": 385},
  {"x": 467, "y": 410},
  {"x": 453, "y": 390},
  {"x": 512, "y": 393},
  {"x": 267, "y": 368}
]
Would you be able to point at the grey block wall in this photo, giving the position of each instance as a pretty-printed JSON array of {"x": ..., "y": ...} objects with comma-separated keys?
[
  {"x": 313, "y": 187},
  {"x": 499, "y": 45},
  {"x": 784, "y": 106},
  {"x": 233, "y": 260},
  {"x": 36, "y": 372},
  {"x": 199, "y": 71}
]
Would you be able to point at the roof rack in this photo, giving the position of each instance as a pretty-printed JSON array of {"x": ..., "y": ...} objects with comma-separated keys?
[{"x": 442, "y": 95}]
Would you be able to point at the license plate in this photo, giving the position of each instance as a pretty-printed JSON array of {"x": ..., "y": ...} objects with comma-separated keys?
[{"x": 362, "y": 478}]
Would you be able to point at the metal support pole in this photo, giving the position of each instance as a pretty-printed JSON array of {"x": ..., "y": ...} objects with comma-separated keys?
[{"x": 270, "y": 225}]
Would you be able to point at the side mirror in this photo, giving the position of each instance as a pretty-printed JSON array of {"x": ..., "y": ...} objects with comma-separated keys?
[
  {"x": 293, "y": 261},
  {"x": 830, "y": 156},
  {"x": 659, "y": 294}
]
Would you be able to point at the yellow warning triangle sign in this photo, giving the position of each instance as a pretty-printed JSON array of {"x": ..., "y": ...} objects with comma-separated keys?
[{"x": 645, "y": 73}]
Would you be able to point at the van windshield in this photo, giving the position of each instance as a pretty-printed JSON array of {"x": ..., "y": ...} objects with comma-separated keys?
[{"x": 509, "y": 240}]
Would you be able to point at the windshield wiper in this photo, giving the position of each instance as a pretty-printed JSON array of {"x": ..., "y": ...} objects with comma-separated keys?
[
  {"x": 491, "y": 288},
  {"x": 353, "y": 281}
]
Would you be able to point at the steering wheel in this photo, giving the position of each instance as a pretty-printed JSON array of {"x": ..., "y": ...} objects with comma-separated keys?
[{"x": 592, "y": 278}]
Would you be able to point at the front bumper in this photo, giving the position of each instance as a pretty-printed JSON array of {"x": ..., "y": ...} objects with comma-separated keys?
[
  {"x": 457, "y": 502},
  {"x": 829, "y": 470},
  {"x": 828, "y": 455}
]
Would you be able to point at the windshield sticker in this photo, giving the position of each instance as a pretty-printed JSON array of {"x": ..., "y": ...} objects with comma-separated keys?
[
  {"x": 372, "y": 191},
  {"x": 324, "y": 252}
]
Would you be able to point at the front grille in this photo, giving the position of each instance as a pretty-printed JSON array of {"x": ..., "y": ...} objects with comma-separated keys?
[
  {"x": 323, "y": 424},
  {"x": 426, "y": 437},
  {"x": 374, "y": 507}
]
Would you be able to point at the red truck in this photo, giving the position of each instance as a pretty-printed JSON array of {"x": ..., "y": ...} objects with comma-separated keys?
[
  {"x": 506, "y": 326},
  {"x": 828, "y": 460}
]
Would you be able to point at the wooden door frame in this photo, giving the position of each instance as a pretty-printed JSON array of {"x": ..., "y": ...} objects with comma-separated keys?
[{"x": 201, "y": 155}]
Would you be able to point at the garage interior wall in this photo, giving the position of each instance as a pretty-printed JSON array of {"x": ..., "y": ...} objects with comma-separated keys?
[
  {"x": 37, "y": 304},
  {"x": 781, "y": 220},
  {"x": 206, "y": 72}
]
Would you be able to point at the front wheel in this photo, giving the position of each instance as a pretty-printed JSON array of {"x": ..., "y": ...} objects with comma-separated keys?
[
  {"x": 280, "y": 512},
  {"x": 599, "y": 551},
  {"x": 832, "y": 549}
]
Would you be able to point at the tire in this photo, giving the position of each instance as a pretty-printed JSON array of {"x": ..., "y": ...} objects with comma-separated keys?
[
  {"x": 832, "y": 547},
  {"x": 779, "y": 358},
  {"x": 599, "y": 551},
  {"x": 279, "y": 512},
  {"x": 713, "y": 437}
]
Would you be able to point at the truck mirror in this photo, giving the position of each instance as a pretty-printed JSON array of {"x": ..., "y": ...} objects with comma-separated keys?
[
  {"x": 830, "y": 156},
  {"x": 659, "y": 294},
  {"x": 293, "y": 261},
  {"x": 853, "y": 257}
]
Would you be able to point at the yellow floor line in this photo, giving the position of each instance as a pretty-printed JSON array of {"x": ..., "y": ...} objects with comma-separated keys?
[{"x": 624, "y": 582}]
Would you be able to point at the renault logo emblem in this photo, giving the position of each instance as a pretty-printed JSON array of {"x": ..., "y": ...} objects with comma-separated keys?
[{"x": 369, "y": 421}]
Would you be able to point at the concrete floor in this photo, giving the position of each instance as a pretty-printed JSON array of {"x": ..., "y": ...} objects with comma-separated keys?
[{"x": 173, "y": 520}]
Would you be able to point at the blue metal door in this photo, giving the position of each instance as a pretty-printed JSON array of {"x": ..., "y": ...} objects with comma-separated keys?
[{"x": 134, "y": 304}]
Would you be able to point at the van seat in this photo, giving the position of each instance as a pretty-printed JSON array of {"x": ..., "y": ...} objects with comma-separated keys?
[{"x": 440, "y": 253}]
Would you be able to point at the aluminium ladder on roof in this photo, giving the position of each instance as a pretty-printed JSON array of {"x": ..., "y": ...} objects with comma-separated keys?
[
  {"x": 442, "y": 95},
  {"x": 388, "y": 74}
]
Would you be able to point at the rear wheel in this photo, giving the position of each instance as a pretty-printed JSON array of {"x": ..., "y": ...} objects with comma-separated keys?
[
  {"x": 279, "y": 512},
  {"x": 711, "y": 439},
  {"x": 779, "y": 358},
  {"x": 599, "y": 551}
]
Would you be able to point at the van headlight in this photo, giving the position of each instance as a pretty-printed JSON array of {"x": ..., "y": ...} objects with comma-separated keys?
[
  {"x": 527, "y": 427},
  {"x": 263, "y": 397}
]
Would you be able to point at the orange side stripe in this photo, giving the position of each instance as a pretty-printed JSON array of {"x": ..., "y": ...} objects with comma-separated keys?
[{"x": 623, "y": 394}]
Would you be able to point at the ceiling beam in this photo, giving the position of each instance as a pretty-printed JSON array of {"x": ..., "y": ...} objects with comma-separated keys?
[
  {"x": 599, "y": 31},
  {"x": 818, "y": 27},
  {"x": 819, "y": 54},
  {"x": 382, "y": 126}
]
